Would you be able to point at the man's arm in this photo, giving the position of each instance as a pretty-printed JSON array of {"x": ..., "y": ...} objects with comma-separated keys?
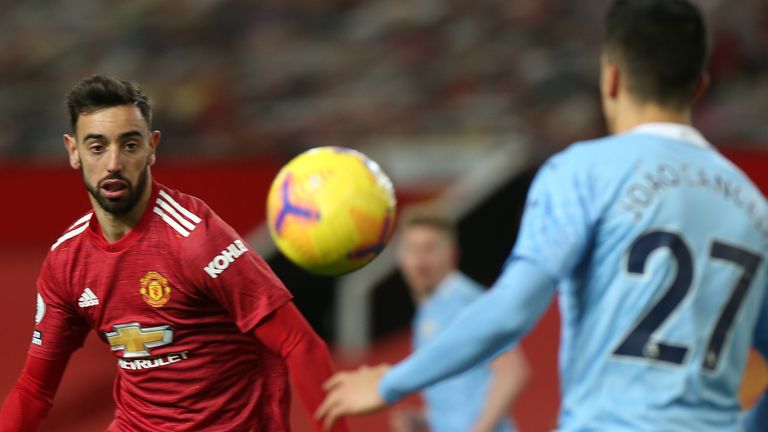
[
  {"x": 497, "y": 319},
  {"x": 510, "y": 374},
  {"x": 59, "y": 331},
  {"x": 500, "y": 317},
  {"x": 259, "y": 304},
  {"x": 287, "y": 333},
  {"x": 31, "y": 398}
]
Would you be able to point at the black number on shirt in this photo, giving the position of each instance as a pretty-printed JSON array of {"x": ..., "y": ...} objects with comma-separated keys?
[
  {"x": 749, "y": 262},
  {"x": 639, "y": 342}
]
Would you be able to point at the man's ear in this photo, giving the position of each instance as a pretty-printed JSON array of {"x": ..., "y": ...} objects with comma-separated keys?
[
  {"x": 74, "y": 156},
  {"x": 701, "y": 86},
  {"x": 613, "y": 75},
  {"x": 154, "y": 140},
  {"x": 610, "y": 79},
  {"x": 456, "y": 256}
]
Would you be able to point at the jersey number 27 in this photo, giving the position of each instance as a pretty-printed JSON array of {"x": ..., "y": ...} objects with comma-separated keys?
[{"x": 639, "y": 342}]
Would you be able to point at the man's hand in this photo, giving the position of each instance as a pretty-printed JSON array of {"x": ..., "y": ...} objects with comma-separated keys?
[{"x": 352, "y": 393}]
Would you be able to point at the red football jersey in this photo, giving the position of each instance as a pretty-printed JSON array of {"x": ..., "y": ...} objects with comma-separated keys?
[{"x": 176, "y": 300}]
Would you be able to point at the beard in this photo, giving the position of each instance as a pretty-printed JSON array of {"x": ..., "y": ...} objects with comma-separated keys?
[{"x": 123, "y": 205}]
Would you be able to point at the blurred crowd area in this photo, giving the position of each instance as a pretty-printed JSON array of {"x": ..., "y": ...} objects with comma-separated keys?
[{"x": 241, "y": 78}]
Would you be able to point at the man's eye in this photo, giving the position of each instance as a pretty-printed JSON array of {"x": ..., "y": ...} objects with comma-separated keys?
[
  {"x": 96, "y": 148},
  {"x": 131, "y": 146}
]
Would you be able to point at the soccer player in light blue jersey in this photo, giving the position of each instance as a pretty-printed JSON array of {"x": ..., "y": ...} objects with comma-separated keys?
[
  {"x": 654, "y": 242},
  {"x": 479, "y": 399}
]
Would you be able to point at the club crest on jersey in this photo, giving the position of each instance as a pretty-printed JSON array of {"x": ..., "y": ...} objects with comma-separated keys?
[{"x": 155, "y": 289}]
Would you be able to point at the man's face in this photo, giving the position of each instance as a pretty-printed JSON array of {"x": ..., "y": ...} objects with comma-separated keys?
[
  {"x": 113, "y": 148},
  {"x": 426, "y": 255}
]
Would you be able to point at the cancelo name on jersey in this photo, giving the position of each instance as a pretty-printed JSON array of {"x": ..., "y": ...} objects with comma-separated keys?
[
  {"x": 222, "y": 261},
  {"x": 641, "y": 193}
]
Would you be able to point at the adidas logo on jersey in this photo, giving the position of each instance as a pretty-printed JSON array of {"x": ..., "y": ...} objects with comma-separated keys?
[{"x": 87, "y": 299}]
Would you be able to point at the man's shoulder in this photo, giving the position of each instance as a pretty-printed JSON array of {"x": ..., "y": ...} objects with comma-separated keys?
[
  {"x": 182, "y": 214},
  {"x": 596, "y": 164},
  {"x": 191, "y": 227},
  {"x": 71, "y": 235},
  {"x": 68, "y": 246}
]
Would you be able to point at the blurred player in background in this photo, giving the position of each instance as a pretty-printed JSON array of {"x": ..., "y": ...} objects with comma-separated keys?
[
  {"x": 204, "y": 333},
  {"x": 653, "y": 241},
  {"x": 480, "y": 399}
]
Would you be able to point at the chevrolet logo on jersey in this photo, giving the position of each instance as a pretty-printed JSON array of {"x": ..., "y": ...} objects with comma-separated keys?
[{"x": 135, "y": 341}]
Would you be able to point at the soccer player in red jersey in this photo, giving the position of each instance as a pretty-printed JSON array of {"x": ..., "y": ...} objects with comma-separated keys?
[{"x": 204, "y": 333}]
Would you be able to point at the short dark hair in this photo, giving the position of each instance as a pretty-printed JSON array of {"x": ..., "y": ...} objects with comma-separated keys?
[
  {"x": 430, "y": 219},
  {"x": 105, "y": 91},
  {"x": 662, "y": 46}
]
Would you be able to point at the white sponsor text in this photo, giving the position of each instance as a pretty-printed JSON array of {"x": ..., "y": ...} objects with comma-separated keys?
[{"x": 227, "y": 257}]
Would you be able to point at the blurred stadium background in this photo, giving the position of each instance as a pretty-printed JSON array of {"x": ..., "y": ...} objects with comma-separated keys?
[{"x": 458, "y": 100}]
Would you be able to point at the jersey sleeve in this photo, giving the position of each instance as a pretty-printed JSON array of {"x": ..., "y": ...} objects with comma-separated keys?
[
  {"x": 561, "y": 211},
  {"x": 59, "y": 329},
  {"x": 28, "y": 403},
  {"x": 233, "y": 274},
  {"x": 288, "y": 334}
]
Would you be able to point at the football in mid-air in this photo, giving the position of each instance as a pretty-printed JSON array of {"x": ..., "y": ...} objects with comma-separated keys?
[{"x": 331, "y": 210}]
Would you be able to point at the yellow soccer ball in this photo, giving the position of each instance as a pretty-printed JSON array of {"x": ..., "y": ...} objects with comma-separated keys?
[{"x": 331, "y": 210}]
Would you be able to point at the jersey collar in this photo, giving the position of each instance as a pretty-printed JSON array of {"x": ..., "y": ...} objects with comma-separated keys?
[{"x": 674, "y": 131}]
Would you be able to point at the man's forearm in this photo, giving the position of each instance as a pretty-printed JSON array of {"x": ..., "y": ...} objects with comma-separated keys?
[
  {"x": 28, "y": 403},
  {"x": 288, "y": 334},
  {"x": 22, "y": 411},
  {"x": 498, "y": 318},
  {"x": 310, "y": 365}
]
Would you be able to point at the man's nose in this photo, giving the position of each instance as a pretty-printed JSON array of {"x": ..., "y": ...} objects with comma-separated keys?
[{"x": 114, "y": 160}]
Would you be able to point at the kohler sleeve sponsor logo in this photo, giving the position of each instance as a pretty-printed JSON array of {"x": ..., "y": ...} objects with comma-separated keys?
[{"x": 220, "y": 263}]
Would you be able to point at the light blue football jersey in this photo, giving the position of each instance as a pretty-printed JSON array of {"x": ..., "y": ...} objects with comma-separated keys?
[
  {"x": 454, "y": 404},
  {"x": 659, "y": 245}
]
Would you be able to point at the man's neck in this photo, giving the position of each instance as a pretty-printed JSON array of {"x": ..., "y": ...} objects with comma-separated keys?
[
  {"x": 421, "y": 296},
  {"x": 115, "y": 227},
  {"x": 632, "y": 115}
]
